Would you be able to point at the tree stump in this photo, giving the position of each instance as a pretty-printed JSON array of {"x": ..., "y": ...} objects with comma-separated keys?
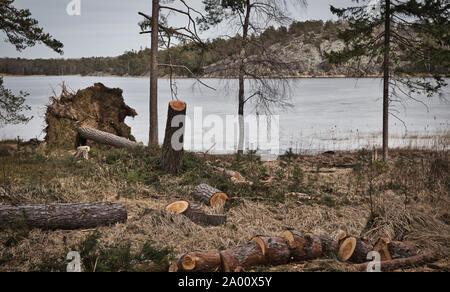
[
  {"x": 275, "y": 249},
  {"x": 199, "y": 261},
  {"x": 106, "y": 138},
  {"x": 83, "y": 152},
  {"x": 173, "y": 147},
  {"x": 64, "y": 216},
  {"x": 242, "y": 257},
  {"x": 210, "y": 196},
  {"x": 195, "y": 214}
]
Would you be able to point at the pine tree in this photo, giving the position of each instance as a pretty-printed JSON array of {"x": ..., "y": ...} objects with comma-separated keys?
[
  {"x": 410, "y": 37},
  {"x": 22, "y": 31}
]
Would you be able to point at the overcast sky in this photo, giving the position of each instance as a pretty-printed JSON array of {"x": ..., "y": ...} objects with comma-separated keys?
[{"x": 109, "y": 27}]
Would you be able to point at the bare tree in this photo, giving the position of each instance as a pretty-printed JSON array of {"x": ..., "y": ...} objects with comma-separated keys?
[{"x": 267, "y": 85}]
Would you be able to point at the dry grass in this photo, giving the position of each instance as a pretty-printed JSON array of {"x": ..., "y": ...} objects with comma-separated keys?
[{"x": 339, "y": 191}]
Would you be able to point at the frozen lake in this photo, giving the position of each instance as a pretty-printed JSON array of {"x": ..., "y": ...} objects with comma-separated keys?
[{"x": 328, "y": 114}]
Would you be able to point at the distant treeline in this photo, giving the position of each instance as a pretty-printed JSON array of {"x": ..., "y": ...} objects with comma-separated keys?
[{"x": 137, "y": 63}]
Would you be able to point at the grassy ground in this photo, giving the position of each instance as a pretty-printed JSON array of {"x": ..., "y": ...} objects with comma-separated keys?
[{"x": 407, "y": 199}]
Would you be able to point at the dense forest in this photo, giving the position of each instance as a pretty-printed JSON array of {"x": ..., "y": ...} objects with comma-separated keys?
[{"x": 303, "y": 44}]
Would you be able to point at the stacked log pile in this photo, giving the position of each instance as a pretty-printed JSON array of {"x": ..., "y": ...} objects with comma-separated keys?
[{"x": 292, "y": 246}]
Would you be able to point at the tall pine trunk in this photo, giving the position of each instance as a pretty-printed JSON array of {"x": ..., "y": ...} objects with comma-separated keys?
[
  {"x": 245, "y": 30},
  {"x": 387, "y": 44},
  {"x": 153, "y": 134}
]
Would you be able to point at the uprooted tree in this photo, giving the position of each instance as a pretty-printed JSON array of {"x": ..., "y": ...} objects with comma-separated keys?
[{"x": 97, "y": 107}]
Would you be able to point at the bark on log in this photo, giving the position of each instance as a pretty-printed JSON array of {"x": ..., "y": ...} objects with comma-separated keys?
[
  {"x": 275, "y": 249},
  {"x": 199, "y": 261},
  {"x": 172, "y": 152},
  {"x": 64, "y": 216},
  {"x": 195, "y": 214},
  {"x": 394, "y": 250},
  {"x": 106, "y": 138},
  {"x": 210, "y": 196},
  {"x": 304, "y": 247},
  {"x": 242, "y": 257},
  {"x": 415, "y": 261},
  {"x": 354, "y": 249}
]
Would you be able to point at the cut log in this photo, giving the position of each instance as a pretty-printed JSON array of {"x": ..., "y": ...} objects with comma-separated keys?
[
  {"x": 394, "y": 250},
  {"x": 235, "y": 176},
  {"x": 83, "y": 152},
  {"x": 210, "y": 196},
  {"x": 415, "y": 261},
  {"x": 64, "y": 216},
  {"x": 195, "y": 214},
  {"x": 342, "y": 236},
  {"x": 304, "y": 247},
  {"x": 382, "y": 248},
  {"x": 200, "y": 261},
  {"x": 242, "y": 257},
  {"x": 173, "y": 147},
  {"x": 106, "y": 138},
  {"x": 354, "y": 249},
  {"x": 275, "y": 249},
  {"x": 330, "y": 247}
]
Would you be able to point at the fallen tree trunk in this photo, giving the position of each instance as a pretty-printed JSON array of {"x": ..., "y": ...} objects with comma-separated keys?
[
  {"x": 210, "y": 196},
  {"x": 415, "y": 261},
  {"x": 173, "y": 151},
  {"x": 195, "y": 214},
  {"x": 354, "y": 250},
  {"x": 304, "y": 247},
  {"x": 64, "y": 216},
  {"x": 106, "y": 138},
  {"x": 394, "y": 250},
  {"x": 274, "y": 249},
  {"x": 198, "y": 261},
  {"x": 242, "y": 257}
]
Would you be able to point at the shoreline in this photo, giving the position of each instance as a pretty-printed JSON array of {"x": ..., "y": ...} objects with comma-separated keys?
[{"x": 229, "y": 77}]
